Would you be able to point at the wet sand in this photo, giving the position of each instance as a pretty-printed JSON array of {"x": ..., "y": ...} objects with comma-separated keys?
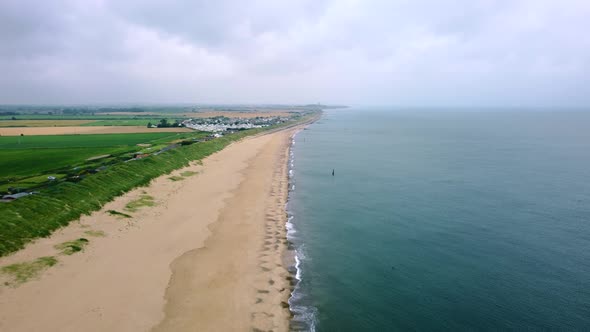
[{"x": 206, "y": 257}]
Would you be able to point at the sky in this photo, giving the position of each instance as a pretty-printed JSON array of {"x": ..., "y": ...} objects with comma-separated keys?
[{"x": 513, "y": 53}]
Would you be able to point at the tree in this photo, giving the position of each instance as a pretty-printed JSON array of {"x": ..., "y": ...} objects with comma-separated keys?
[
  {"x": 149, "y": 125},
  {"x": 163, "y": 123}
]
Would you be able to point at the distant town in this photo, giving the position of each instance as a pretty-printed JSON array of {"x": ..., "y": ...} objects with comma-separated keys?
[{"x": 222, "y": 123}]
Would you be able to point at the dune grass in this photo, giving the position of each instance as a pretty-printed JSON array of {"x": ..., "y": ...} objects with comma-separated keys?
[
  {"x": 182, "y": 176},
  {"x": 142, "y": 201},
  {"x": 72, "y": 247},
  {"x": 21, "y": 272},
  {"x": 119, "y": 214},
  {"x": 95, "y": 233}
]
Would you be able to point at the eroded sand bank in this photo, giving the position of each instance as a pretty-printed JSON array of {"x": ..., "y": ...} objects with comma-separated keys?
[{"x": 207, "y": 257}]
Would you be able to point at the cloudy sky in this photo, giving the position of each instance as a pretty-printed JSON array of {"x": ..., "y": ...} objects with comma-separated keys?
[{"x": 388, "y": 52}]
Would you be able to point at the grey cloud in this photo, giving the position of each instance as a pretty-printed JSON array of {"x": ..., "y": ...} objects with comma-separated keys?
[
  {"x": 217, "y": 23},
  {"x": 454, "y": 52},
  {"x": 28, "y": 30}
]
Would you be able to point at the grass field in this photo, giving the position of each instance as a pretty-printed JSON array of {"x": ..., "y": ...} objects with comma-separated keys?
[
  {"x": 98, "y": 116},
  {"x": 86, "y": 130},
  {"x": 24, "y": 159},
  {"x": 128, "y": 122},
  {"x": 31, "y": 162},
  {"x": 69, "y": 141},
  {"x": 92, "y": 121},
  {"x": 44, "y": 123}
]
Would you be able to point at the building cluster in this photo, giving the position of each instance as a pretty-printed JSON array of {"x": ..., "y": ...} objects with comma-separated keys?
[{"x": 222, "y": 123}]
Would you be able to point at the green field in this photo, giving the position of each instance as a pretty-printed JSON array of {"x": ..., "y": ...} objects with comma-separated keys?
[
  {"x": 30, "y": 162},
  {"x": 76, "y": 117},
  {"x": 128, "y": 122},
  {"x": 42, "y": 123},
  {"x": 31, "y": 156},
  {"x": 70, "y": 141},
  {"x": 92, "y": 121}
]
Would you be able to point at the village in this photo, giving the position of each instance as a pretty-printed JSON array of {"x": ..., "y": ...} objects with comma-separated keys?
[{"x": 221, "y": 124}]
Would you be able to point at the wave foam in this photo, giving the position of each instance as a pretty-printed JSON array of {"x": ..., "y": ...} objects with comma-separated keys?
[{"x": 304, "y": 316}]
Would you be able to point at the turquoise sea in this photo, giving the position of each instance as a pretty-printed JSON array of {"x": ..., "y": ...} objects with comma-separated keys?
[{"x": 442, "y": 220}]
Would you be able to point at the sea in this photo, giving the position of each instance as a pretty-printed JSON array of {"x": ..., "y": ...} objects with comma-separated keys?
[{"x": 441, "y": 219}]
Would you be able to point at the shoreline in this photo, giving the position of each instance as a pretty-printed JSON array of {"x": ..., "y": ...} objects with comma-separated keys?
[
  {"x": 121, "y": 281},
  {"x": 192, "y": 296},
  {"x": 303, "y": 317}
]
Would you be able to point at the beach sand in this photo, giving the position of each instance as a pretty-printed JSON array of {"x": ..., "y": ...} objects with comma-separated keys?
[{"x": 206, "y": 257}]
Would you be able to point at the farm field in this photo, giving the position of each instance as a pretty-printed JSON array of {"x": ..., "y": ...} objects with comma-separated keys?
[
  {"x": 43, "y": 123},
  {"x": 22, "y": 158},
  {"x": 85, "y": 122},
  {"x": 77, "y": 130},
  {"x": 68, "y": 141},
  {"x": 129, "y": 122},
  {"x": 100, "y": 116},
  {"x": 237, "y": 114},
  {"x": 26, "y": 162}
]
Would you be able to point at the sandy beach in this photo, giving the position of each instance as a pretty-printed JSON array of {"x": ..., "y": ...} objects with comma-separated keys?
[{"x": 206, "y": 257}]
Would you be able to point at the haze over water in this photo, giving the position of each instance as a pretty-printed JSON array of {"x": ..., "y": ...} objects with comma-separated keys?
[{"x": 443, "y": 220}]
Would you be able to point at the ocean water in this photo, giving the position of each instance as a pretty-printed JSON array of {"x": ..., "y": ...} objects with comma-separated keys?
[{"x": 442, "y": 220}]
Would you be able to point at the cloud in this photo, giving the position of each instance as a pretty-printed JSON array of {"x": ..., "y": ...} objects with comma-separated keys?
[{"x": 456, "y": 52}]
